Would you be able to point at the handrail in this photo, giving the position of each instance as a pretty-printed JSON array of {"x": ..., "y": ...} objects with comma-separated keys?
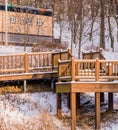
[{"x": 93, "y": 54}]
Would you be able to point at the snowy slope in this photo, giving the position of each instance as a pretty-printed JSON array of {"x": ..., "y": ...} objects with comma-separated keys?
[
  {"x": 110, "y": 55},
  {"x": 39, "y": 109}
]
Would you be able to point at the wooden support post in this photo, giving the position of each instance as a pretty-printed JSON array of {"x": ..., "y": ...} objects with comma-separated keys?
[
  {"x": 52, "y": 84},
  {"x": 68, "y": 100},
  {"x": 97, "y": 111},
  {"x": 25, "y": 85},
  {"x": 102, "y": 97},
  {"x": 78, "y": 102},
  {"x": 110, "y": 95},
  {"x": 59, "y": 105},
  {"x": 73, "y": 111},
  {"x": 110, "y": 100}
]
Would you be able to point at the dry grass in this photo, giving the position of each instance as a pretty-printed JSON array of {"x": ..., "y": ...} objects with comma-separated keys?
[
  {"x": 42, "y": 122},
  {"x": 30, "y": 89},
  {"x": 10, "y": 89},
  {"x": 38, "y": 88},
  {"x": 32, "y": 86}
]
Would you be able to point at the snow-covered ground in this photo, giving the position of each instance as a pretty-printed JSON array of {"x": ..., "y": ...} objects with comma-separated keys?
[
  {"x": 37, "y": 110},
  {"x": 110, "y": 55},
  {"x": 13, "y": 49},
  {"x": 21, "y": 109}
]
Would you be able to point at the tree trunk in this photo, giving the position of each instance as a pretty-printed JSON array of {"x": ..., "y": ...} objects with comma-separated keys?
[
  {"x": 81, "y": 29},
  {"x": 102, "y": 25},
  {"x": 110, "y": 34}
]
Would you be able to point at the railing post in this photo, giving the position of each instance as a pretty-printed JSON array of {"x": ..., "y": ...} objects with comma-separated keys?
[
  {"x": 52, "y": 61},
  {"x": 83, "y": 55},
  {"x": 91, "y": 55},
  {"x": 110, "y": 69},
  {"x": 97, "y": 69},
  {"x": 61, "y": 54},
  {"x": 69, "y": 53},
  {"x": 100, "y": 53},
  {"x": 59, "y": 71},
  {"x": 26, "y": 62},
  {"x": 73, "y": 69}
]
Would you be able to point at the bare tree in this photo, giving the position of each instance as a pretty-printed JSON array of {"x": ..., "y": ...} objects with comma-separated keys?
[
  {"x": 102, "y": 25},
  {"x": 110, "y": 12}
]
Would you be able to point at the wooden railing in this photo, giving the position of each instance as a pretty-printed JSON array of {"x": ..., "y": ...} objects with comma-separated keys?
[
  {"x": 89, "y": 70},
  {"x": 32, "y": 62},
  {"x": 93, "y": 54},
  {"x": 62, "y": 55},
  {"x": 40, "y": 62},
  {"x": 12, "y": 63}
]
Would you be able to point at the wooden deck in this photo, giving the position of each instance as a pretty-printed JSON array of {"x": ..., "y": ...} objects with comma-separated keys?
[{"x": 76, "y": 76}]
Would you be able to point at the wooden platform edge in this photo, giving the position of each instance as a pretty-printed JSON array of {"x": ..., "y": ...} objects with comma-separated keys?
[
  {"x": 66, "y": 87},
  {"x": 28, "y": 76}
]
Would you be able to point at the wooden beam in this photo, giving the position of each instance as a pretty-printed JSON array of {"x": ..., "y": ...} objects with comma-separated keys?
[
  {"x": 94, "y": 86},
  {"x": 61, "y": 88},
  {"x": 27, "y": 76},
  {"x": 73, "y": 111},
  {"x": 97, "y": 111}
]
